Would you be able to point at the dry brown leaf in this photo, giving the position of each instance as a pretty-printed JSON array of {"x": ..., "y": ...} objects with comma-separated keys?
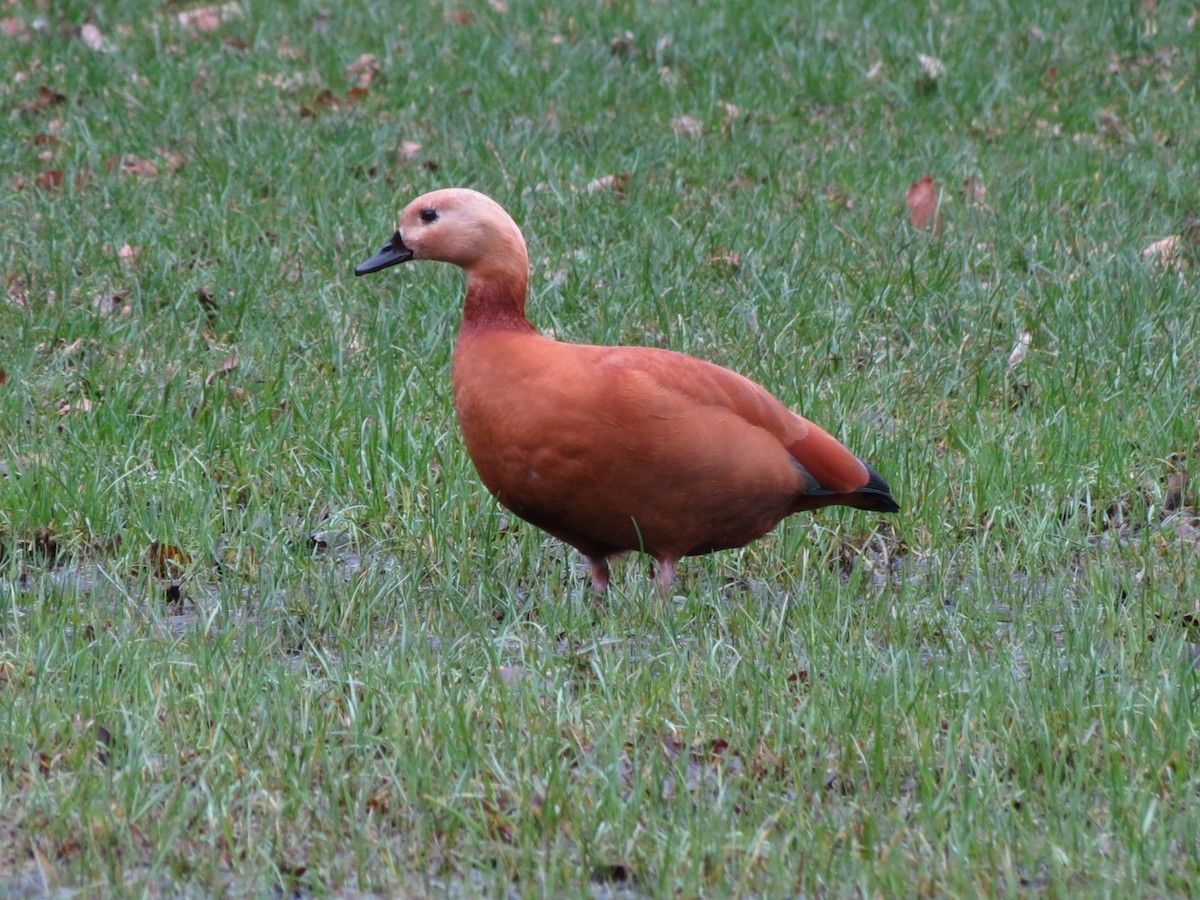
[
  {"x": 93, "y": 37},
  {"x": 82, "y": 405},
  {"x": 327, "y": 99},
  {"x": 50, "y": 179},
  {"x": 1172, "y": 253},
  {"x": 686, "y": 126},
  {"x": 172, "y": 162},
  {"x": 933, "y": 67},
  {"x": 209, "y": 18},
  {"x": 1163, "y": 251},
  {"x": 615, "y": 183},
  {"x": 923, "y": 209},
  {"x": 287, "y": 50},
  {"x": 973, "y": 189},
  {"x": 132, "y": 165},
  {"x": 3, "y": 377},
  {"x": 1024, "y": 339},
  {"x": 106, "y": 304},
  {"x": 228, "y": 364},
  {"x": 1044, "y": 129},
  {"x": 356, "y": 94},
  {"x": 18, "y": 294},
  {"x": 459, "y": 17},
  {"x": 621, "y": 44},
  {"x": 838, "y": 198},
  {"x": 44, "y": 99},
  {"x": 723, "y": 258},
  {"x": 365, "y": 68},
  {"x": 167, "y": 561}
]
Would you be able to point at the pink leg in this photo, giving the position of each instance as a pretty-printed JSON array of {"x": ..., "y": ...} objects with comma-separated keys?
[
  {"x": 599, "y": 566},
  {"x": 666, "y": 574}
]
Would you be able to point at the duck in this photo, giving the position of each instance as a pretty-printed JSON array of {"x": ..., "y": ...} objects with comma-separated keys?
[{"x": 614, "y": 449}]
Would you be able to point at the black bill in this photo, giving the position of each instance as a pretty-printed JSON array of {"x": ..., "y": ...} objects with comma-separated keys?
[{"x": 393, "y": 253}]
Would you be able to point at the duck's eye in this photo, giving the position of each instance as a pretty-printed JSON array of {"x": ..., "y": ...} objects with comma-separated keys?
[{"x": 429, "y": 215}]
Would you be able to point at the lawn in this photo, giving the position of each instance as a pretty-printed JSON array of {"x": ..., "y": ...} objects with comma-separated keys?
[{"x": 262, "y": 628}]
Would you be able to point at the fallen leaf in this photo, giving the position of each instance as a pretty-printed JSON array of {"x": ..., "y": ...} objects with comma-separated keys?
[
  {"x": 128, "y": 252},
  {"x": 1045, "y": 129},
  {"x": 286, "y": 50},
  {"x": 228, "y": 364},
  {"x": 324, "y": 100},
  {"x": 499, "y": 6},
  {"x": 355, "y": 94},
  {"x": 410, "y": 150},
  {"x": 48, "y": 180},
  {"x": 209, "y": 18},
  {"x": 615, "y": 183},
  {"x": 934, "y": 68},
  {"x": 1175, "y": 488},
  {"x": 1174, "y": 252},
  {"x": 1110, "y": 124},
  {"x": 81, "y": 405},
  {"x": 686, "y": 126},
  {"x": 923, "y": 209},
  {"x": 93, "y": 37},
  {"x": 1165, "y": 252},
  {"x": 726, "y": 259},
  {"x": 132, "y": 165},
  {"x": 837, "y": 198},
  {"x": 42, "y": 100},
  {"x": 172, "y": 162},
  {"x": 459, "y": 17},
  {"x": 1024, "y": 339},
  {"x": 167, "y": 561},
  {"x": 621, "y": 44},
  {"x": 365, "y": 68},
  {"x": 3, "y": 377},
  {"x": 973, "y": 189},
  {"x": 11, "y": 27},
  {"x": 108, "y": 303}
]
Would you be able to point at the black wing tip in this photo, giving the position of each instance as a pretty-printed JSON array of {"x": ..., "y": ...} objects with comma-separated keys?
[{"x": 876, "y": 494}]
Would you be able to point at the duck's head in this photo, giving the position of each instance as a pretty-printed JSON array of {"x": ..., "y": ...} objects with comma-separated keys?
[{"x": 458, "y": 226}]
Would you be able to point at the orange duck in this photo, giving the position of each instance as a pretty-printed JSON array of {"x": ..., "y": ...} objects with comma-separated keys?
[{"x": 612, "y": 449}]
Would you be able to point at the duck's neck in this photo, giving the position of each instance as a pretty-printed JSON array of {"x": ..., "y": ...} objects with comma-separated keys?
[{"x": 496, "y": 300}]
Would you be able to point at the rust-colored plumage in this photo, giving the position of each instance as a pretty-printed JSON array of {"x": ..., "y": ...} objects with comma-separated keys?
[{"x": 613, "y": 449}]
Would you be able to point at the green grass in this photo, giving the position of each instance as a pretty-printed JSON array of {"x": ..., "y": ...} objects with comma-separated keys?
[{"x": 262, "y": 627}]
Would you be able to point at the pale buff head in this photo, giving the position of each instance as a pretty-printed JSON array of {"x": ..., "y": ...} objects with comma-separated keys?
[{"x": 459, "y": 226}]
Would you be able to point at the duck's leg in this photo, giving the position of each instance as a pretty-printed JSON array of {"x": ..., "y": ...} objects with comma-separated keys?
[
  {"x": 665, "y": 576},
  {"x": 599, "y": 566}
]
